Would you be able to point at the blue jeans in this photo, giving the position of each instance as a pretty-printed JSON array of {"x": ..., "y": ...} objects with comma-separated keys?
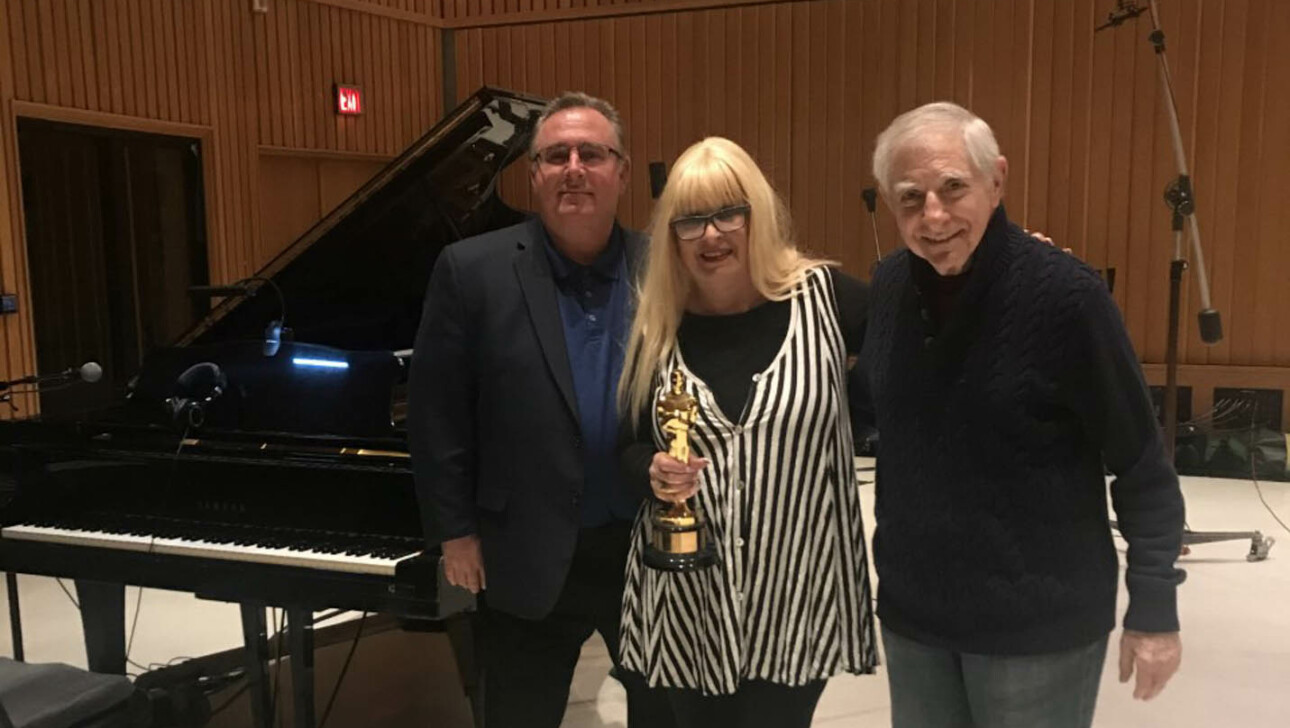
[{"x": 938, "y": 688}]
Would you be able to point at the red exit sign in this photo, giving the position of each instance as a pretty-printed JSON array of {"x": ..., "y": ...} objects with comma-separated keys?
[{"x": 349, "y": 100}]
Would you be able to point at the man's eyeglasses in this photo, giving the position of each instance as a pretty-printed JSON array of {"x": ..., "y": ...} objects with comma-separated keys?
[
  {"x": 726, "y": 220},
  {"x": 590, "y": 154}
]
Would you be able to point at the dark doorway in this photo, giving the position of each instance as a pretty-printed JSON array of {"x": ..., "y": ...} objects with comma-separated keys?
[{"x": 116, "y": 233}]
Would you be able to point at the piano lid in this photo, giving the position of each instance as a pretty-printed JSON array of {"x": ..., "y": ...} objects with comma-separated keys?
[{"x": 356, "y": 280}]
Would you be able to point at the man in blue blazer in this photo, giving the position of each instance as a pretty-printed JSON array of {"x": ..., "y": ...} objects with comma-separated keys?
[{"x": 512, "y": 420}]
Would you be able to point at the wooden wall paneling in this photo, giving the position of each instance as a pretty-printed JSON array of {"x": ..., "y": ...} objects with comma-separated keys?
[
  {"x": 297, "y": 203},
  {"x": 1228, "y": 61},
  {"x": 1058, "y": 191},
  {"x": 386, "y": 61},
  {"x": 408, "y": 93},
  {"x": 655, "y": 149},
  {"x": 638, "y": 101},
  {"x": 422, "y": 48},
  {"x": 854, "y": 169},
  {"x": 340, "y": 178},
  {"x": 1094, "y": 247},
  {"x": 367, "y": 126},
  {"x": 291, "y": 70},
  {"x": 744, "y": 86},
  {"x": 318, "y": 100},
  {"x": 577, "y": 36},
  {"x": 687, "y": 82},
  {"x": 75, "y": 51},
  {"x": 109, "y": 62},
  {"x": 40, "y": 37},
  {"x": 941, "y": 52},
  {"x": 17, "y": 40},
  {"x": 340, "y": 72},
  {"x": 1269, "y": 240},
  {"x": 136, "y": 102},
  {"x": 213, "y": 166},
  {"x": 154, "y": 83},
  {"x": 815, "y": 225},
  {"x": 965, "y": 51},
  {"x": 1245, "y": 305},
  {"x": 1119, "y": 140},
  {"x": 266, "y": 43},
  {"x": 280, "y": 68},
  {"x": 1143, "y": 186},
  {"x": 833, "y": 240},
  {"x": 169, "y": 62},
  {"x": 762, "y": 65},
  {"x": 1277, "y": 124},
  {"x": 245, "y": 116},
  {"x": 798, "y": 178},
  {"x": 17, "y": 359},
  {"x": 1076, "y": 224},
  {"x": 64, "y": 60}
]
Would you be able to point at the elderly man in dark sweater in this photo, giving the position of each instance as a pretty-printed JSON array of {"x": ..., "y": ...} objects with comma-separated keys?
[{"x": 1002, "y": 381}]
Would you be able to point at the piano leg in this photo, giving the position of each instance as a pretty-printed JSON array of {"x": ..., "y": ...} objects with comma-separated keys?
[
  {"x": 300, "y": 636},
  {"x": 255, "y": 637},
  {"x": 15, "y": 615},
  {"x": 103, "y": 622}
]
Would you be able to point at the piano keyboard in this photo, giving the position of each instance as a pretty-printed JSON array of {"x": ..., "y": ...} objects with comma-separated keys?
[{"x": 380, "y": 561}]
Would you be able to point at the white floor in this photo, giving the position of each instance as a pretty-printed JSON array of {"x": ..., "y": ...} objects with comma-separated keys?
[{"x": 1235, "y": 616}]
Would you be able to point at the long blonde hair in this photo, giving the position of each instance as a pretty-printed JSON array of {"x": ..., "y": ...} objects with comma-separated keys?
[{"x": 711, "y": 174}]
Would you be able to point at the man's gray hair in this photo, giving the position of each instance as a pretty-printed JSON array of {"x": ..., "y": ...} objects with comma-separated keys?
[
  {"x": 978, "y": 139},
  {"x": 580, "y": 100}
]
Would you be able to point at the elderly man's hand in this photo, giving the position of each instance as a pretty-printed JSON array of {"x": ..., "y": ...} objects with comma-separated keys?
[{"x": 1155, "y": 657}]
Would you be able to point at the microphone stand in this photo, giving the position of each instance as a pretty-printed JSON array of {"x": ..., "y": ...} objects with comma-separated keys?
[
  {"x": 1179, "y": 198},
  {"x": 870, "y": 195}
]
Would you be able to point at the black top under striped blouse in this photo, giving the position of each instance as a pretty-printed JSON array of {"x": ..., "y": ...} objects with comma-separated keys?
[{"x": 789, "y": 600}]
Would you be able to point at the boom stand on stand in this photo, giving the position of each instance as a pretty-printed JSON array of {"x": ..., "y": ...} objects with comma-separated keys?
[{"x": 1178, "y": 195}]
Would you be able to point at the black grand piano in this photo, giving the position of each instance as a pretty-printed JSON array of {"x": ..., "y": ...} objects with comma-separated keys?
[{"x": 262, "y": 459}]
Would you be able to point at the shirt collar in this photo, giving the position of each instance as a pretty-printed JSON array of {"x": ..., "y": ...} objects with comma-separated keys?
[{"x": 607, "y": 265}]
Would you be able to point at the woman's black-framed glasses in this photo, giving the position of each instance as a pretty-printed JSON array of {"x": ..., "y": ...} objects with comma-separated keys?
[
  {"x": 725, "y": 220},
  {"x": 590, "y": 154}
]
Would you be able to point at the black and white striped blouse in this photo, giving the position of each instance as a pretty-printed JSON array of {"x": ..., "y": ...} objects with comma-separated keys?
[{"x": 789, "y": 600}]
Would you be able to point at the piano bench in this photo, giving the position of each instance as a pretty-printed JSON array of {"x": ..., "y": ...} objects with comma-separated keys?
[{"x": 60, "y": 696}]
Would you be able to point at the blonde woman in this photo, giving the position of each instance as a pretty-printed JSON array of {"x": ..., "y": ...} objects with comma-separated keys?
[{"x": 762, "y": 333}]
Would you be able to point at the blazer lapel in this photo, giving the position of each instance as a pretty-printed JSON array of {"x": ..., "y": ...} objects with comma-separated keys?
[{"x": 534, "y": 272}]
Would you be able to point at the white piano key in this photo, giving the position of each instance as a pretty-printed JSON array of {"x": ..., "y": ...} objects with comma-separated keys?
[{"x": 362, "y": 564}]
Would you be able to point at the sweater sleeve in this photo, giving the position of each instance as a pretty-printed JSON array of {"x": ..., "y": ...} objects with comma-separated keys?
[
  {"x": 1115, "y": 406},
  {"x": 635, "y": 452}
]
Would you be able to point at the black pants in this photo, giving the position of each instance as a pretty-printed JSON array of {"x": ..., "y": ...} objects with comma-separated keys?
[
  {"x": 528, "y": 664},
  {"x": 756, "y": 704}
]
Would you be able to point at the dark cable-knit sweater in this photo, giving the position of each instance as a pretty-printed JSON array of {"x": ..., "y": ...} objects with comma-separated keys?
[{"x": 995, "y": 425}]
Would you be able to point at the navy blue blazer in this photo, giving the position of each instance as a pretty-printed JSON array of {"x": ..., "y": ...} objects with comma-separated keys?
[{"x": 493, "y": 417}]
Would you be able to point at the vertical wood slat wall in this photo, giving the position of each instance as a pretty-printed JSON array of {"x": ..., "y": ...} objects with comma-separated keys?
[
  {"x": 807, "y": 86},
  {"x": 260, "y": 83}
]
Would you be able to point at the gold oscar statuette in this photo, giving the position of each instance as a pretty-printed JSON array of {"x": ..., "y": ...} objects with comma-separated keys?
[{"x": 680, "y": 540}]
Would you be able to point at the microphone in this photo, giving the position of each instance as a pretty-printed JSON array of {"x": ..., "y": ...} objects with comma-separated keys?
[
  {"x": 1211, "y": 326},
  {"x": 657, "y": 178},
  {"x": 1124, "y": 10},
  {"x": 89, "y": 372},
  {"x": 272, "y": 338}
]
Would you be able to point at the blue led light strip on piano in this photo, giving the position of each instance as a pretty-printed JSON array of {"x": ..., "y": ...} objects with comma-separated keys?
[{"x": 320, "y": 363}]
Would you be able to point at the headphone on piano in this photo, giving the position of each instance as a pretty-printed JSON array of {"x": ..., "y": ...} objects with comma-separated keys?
[{"x": 195, "y": 389}]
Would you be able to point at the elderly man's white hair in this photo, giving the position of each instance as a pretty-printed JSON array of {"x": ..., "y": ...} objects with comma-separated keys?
[{"x": 940, "y": 116}]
